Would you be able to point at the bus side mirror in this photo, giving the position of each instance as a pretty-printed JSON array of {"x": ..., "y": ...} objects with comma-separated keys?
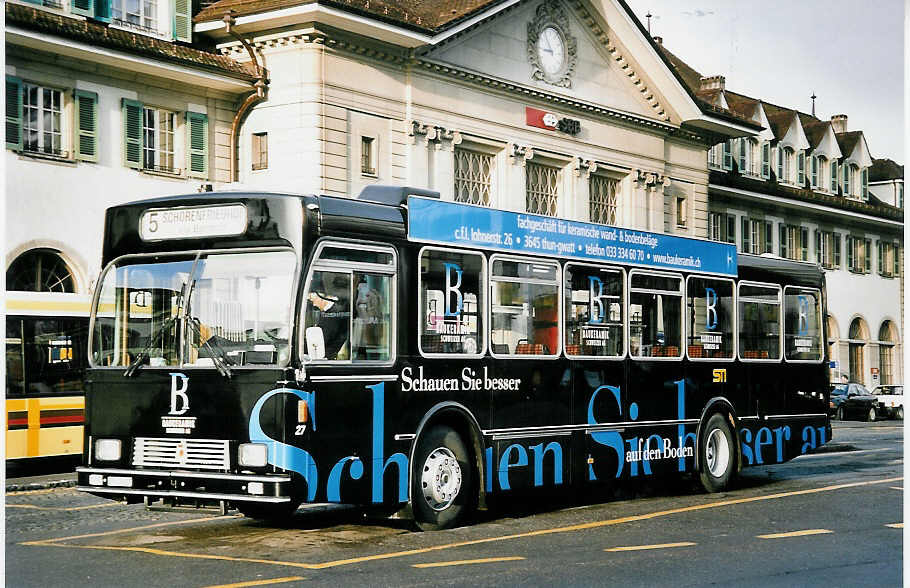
[{"x": 315, "y": 343}]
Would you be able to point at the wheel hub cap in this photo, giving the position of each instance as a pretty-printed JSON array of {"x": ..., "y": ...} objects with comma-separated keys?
[
  {"x": 717, "y": 453},
  {"x": 440, "y": 479}
]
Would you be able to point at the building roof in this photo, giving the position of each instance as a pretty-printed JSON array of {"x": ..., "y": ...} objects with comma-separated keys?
[
  {"x": 59, "y": 25},
  {"x": 428, "y": 16},
  {"x": 815, "y": 130},
  {"x": 847, "y": 141},
  {"x": 741, "y": 105},
  {"x": 885, "y": 169},
  {"x": 780, "y": 120},
  {"x": 873, "y": 207}
]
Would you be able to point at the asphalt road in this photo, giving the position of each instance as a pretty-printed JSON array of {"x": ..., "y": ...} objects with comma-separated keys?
[{"x": 829, "y": 519}]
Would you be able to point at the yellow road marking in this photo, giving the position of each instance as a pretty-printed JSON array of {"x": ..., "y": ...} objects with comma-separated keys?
[
  {"x": 61, "y": 508},
  {"x": 795, "y": 534},
  {"x": 658, "y": 546},
  {"x": 464, "y": 562},
  {"x": 380, "y": 556},
  {"x": 901, "y": 488},
  {"x": 896, "y": 525},
  {"x": 259, "y": 582}
]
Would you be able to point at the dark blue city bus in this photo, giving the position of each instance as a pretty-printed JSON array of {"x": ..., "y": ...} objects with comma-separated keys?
[{"x": 398, "y": 351}]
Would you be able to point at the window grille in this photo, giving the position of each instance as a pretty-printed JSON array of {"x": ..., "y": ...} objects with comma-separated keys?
[
  {"x": 40, "y": 270},
  {"x": 367, "y": 160},
  {"x": 542, "y": 187},
  {"x": 603, "y": 199},
  {"x": 260, "y": 150},
  {"x": 473, "y": 177}
]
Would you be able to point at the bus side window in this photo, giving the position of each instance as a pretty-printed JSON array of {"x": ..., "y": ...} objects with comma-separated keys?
[
  {"x": 594, "y": 304},
  {"x": 710, "y": 325},
  {"x": 655, "y": 315},
  {"x": 759, "y": 321},
  {"x": 524, "y": 300},
  {"x": 451, "y": 302},
  {"x": 802, "y": 324},
  {"x": 348, "y": 314},
  {"x": 15, "y": 356}
]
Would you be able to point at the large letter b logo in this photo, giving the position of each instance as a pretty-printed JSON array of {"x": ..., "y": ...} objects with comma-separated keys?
[{"x": 180, "y": 402}]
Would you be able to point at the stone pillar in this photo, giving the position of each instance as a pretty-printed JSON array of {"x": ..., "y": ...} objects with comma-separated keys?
[
  {"x": 583, "y": 170},
  {"x": 514, "y": 195}
]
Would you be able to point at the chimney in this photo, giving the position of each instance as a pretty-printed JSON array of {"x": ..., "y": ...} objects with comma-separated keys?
[
  {"x": 839, "y": 122},
  {"x": 659, "y": 40},
  {"x": 713, "y": 83}
]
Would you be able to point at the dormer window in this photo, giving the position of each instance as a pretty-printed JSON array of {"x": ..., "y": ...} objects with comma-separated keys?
[
  {"x": 864, "y": 183},
  {"x": 801, "y": 169},
  {"x": 780, "y": 164},
  {"x": 813, "y": 171},
  {"x": 788, "y": 164},
  {"x": 834, "y": 176},
  {"x": 766, "y": 160}
]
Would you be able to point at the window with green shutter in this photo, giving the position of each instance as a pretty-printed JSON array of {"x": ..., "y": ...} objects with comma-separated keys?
[
  {"x": 183, "y": 20},
  {"x": 198, "y": 145},
  {"x": 766, "y": 160},
  {"x": 13, "y": 113},
  {"x": 801, "y": 169},
  {"x": 132, "y": 133},
  {"x": 728, "y": 154},
  {"x": 86, "y": 125}
]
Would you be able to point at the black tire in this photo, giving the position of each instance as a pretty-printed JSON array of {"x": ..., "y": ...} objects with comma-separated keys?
[
  {"x": 442, "y": 495},
  {"x": 717, "y": 454},
  {"x": 840, "y": 413},
  {"x": 268, "y": 512},
  {"x": 870, "y": 416},
  {"x": 899, "y": 413}
]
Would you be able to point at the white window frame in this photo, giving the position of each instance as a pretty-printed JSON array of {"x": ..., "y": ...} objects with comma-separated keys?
[
  {"x": 42, "y": 109},
  {"x": 559, "y": 322},
  {"x": 625, "y": 321},
  {"x": 682, "y": 311},
  {"x": 821, "y": 323},
  {"x": 483, "y": 290},
  {"x": 148, "y": 15},
  {"x": 735, "y": 329},
  {"x": 353, "y": 266},
  {"x": 158, "y": 114},
  {"x": 780, "y": 319}
]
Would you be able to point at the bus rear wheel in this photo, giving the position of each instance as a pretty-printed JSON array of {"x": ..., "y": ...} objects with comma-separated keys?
[
  {"x": 442, "y": 480},
  {"x": 268, "y": 512},
  {"x": 717, "y": 454}
]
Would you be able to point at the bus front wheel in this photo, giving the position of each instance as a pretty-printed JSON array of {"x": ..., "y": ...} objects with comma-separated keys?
[
  {"x": 717, "y": 458},
  {"x": 441, "y": 483}
]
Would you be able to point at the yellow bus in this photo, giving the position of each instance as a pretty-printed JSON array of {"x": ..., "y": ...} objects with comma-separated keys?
[{"x": 46, "y": 344}]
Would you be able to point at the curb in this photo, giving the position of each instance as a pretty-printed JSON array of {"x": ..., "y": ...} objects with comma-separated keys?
[{"x": 40, "y": 485}]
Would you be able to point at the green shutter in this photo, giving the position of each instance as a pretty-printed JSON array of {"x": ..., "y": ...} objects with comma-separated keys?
[
  {"x": 836, "y": 250},
  {"x": 745, "y": 235},
  {"x": 183, "y": 20},
  {"x": 83, "y": 7},
  {"x": 867, "y": 256},
  {"x": 132, "y": 133},
  {"x": 103, "y": 10},
  {"x": 86, "y": 125},
  {"x": 897, "y": 259},
  {"x": 197, "y": 165},
  {"x": 849, "y": 247},
  {"x": 13, "y": 113}
]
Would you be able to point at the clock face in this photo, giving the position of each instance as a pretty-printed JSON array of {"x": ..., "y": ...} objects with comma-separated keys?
[{"x": 551, "y": 50}]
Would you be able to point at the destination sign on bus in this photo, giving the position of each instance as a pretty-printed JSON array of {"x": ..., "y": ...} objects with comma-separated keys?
[
  {"x": 191, "y": 222},
  {"x": 475, "y": 226}
]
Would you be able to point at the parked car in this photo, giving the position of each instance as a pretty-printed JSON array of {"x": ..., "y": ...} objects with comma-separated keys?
[
  {"x": 890, "y": 400},
  {"x": 858, "y": 404},
  {"x": 837, "y": 395}
]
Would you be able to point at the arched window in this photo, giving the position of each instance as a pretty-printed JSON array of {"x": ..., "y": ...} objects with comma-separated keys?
[
  {"x": 789, "y": 154},
  {"x": 887, "y": 338},
  {"x": 40, "y": 270},
  {"x": 859, "y": 335}
]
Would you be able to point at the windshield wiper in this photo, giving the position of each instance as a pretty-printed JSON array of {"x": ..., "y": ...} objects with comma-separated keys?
[
  {"x": 137, "y": 363},
  {"x": 219, "y": 357}
]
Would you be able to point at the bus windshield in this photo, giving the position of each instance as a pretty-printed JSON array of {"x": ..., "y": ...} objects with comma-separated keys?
[{"x": 195, "y": 309}]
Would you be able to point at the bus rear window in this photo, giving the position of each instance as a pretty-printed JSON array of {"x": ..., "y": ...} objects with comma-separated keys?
[
  {"x": 594, "y": 308},
  {"x": 710, "y": 318},
  {"x": 525, "y": 308},
  {"x": 451, "y": 302},
  {"x": 759, "y": 322},
  {"x": 802, "y": 324}
]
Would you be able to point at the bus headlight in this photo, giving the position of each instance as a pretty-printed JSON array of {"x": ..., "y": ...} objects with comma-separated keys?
[
  {"x": 107, "y": 449},
  {"x": 253, "y": 455}
]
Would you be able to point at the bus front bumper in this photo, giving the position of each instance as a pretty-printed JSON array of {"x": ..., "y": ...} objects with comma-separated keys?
[{"x": 205, "y": 486}]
